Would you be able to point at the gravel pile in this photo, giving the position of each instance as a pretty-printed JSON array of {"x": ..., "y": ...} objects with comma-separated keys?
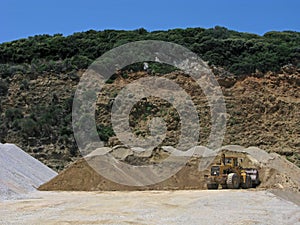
[{"x": 20, "y": 173}]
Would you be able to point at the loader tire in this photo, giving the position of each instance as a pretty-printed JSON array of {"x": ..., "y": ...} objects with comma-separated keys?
[
  {"x": 248, "y": 183},
  {"x": 233, "y": 181},
  {"x": 212, "y": 186}
]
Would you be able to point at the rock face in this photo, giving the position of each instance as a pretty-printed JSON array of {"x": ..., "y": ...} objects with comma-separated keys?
[
  {"x": 262, "y": 110},
  {"x": 275, "y": 171},
  {"x": 20, "y": 173}
]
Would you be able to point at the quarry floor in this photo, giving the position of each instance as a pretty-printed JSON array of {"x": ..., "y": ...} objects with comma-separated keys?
[{"x": 154, "y": 207}]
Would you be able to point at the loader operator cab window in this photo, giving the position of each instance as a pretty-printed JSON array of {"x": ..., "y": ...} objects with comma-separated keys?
[
  {"x": 235, "y": 162},
  {"x": 229, "y": 161}
]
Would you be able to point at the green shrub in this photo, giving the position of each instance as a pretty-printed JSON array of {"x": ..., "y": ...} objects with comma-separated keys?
[
  {"x": 29, "y": 127},
  {"x": 24, "y": 85},
  {"x": 12, "y": 114},
  {"x": 105, "y": 132},
  {"x": 3, "y": 87}
]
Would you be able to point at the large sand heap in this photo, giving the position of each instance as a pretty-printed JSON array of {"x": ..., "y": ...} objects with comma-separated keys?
[
  {"x": 274, "y": 170},
  {"x": 20, "y": 173}
]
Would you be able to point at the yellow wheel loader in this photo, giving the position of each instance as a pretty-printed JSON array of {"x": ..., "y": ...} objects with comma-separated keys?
[{"x": 229, "y": 174}]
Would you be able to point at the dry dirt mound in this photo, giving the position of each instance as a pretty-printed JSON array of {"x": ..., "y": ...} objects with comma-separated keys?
[
  {"x": 19, "y": 172},
  {"x": 275, "y": 171},
  {"x": 80, "y": 176}
]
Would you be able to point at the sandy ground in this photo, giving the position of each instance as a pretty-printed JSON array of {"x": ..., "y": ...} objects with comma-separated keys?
[{"x": 151, "y": 207}]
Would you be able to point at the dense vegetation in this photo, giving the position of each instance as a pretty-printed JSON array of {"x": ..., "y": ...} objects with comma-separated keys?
[{"x": 240, "y": 53}]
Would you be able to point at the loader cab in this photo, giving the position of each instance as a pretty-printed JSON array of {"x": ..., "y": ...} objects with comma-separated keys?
[
  {"x": 233, "y": 161},
  {"x": 229, "y": 165},
  {"x": 230, "y": 161},
  {"x": 226, "y": 166}
]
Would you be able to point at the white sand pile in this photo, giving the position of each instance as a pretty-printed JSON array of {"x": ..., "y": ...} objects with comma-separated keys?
[{"x": 20, "y": 173}]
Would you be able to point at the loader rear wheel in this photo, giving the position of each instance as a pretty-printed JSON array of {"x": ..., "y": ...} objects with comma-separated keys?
[
  {"x": 248, "y": 183},
  {"x": 212, "y": 186},
  {"x": 233, "y": 181}
]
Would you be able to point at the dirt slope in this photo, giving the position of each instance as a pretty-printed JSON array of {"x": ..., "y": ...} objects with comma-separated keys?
[{"x": 262, "y": 109}]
